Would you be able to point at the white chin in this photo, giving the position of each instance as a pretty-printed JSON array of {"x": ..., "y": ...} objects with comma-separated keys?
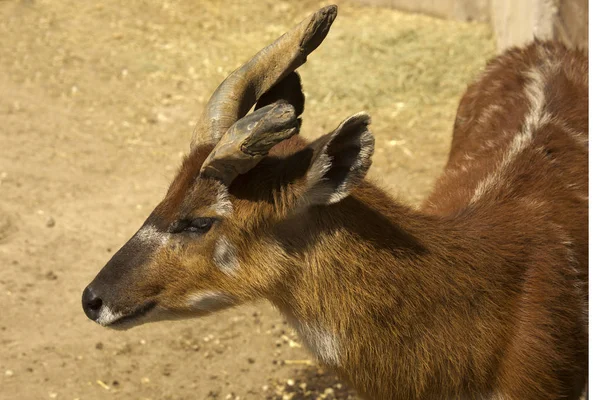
[
  {"x": 122, "y": 321},
  {"x": 107, "y": 316}
]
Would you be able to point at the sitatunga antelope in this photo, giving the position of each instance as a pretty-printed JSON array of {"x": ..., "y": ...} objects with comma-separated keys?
[{"x": 480, "y": 294}]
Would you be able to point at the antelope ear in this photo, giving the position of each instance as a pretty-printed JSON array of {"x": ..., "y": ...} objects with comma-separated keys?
[{"x": 340, "y": 161}]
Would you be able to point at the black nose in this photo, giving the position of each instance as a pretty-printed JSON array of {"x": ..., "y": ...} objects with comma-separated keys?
[{"x": 91, "y": 303}]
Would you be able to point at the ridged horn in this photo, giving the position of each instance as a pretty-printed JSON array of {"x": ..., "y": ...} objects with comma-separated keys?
[
  {"x": 236, "y": 95},
  {"x": 249, "y": 140}
]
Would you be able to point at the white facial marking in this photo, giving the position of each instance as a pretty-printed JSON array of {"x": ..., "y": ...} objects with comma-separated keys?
[
  {"x": 149, "y": 235},
  {"x": 223, "y": 205},
  {"x": 209, "y": 301},
  {"x": 225, "y": 256},
  {"x": 534, "y": 91},
  {"x": 107, "y": 316},
  {"x": 324, "y": 345}
]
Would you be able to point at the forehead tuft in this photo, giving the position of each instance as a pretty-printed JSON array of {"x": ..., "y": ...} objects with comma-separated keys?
[{"x": 187, "y": 191}]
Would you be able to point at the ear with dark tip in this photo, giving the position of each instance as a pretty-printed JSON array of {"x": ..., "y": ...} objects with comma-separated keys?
[
  {"x": 249, "y": 140},
  {"x": 289, "y": 89},
  {"x": 340, "y": 161}
]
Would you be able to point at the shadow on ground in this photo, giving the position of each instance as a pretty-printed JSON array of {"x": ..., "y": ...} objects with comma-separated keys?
[{"x": 312, "y": 383}]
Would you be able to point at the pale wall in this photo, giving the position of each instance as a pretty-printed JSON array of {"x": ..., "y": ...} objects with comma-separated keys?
[
  {"x": 514, "y": 21},
  {"x": 463, "y": 10}
]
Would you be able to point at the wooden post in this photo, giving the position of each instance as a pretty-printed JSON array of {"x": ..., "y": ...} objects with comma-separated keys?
[{"x": 517, "y": 22}]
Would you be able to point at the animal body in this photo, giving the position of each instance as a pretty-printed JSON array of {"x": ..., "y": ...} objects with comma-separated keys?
[{"x": 480, "y": 294}]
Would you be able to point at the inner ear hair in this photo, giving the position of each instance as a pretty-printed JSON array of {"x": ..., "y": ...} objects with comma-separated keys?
[{"x": 342, "y": 159}]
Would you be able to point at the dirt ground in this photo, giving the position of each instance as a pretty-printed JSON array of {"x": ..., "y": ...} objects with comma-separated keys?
[{"x": 97, "y": 104}]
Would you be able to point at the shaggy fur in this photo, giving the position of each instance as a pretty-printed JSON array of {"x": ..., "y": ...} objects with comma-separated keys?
[{"x": 481, "y": 294}]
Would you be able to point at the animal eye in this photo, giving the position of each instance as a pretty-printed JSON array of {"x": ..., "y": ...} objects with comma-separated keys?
[{"x": 197, "y": 225}]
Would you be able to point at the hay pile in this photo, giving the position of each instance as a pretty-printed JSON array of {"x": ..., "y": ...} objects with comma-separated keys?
[{"x": 407, "y": 70}]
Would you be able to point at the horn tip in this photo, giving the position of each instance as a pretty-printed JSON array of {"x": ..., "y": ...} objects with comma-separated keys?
[
  {"x": 330, "y": 10},
  {"x": 327, "y": 15},
  {"x": 319, "y": 25}
]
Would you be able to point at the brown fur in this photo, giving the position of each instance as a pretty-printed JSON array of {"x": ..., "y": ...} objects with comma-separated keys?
[{"x": 475, "y": 296}]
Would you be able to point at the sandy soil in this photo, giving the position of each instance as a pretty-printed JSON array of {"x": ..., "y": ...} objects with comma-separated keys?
[{"x": 97, "y": 101}]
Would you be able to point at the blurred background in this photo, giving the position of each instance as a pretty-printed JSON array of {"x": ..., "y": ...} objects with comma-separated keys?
[{"x": 97, "y": 104}]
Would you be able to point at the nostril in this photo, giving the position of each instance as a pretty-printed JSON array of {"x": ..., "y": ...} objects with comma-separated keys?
[
  {"x": 91, "y": 303},
  {"x": 95, "y": 303}
]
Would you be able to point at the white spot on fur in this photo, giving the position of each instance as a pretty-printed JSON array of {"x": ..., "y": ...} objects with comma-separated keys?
[
  {"x": 580, "y": 138},
  {"x": 572, "y": 262},
  {"x": 534, "y": 204},
  {"x": 490, "y": 144},
  {"x": 209, "y": 301},
  {"x": 496, "y": 396},
  {"x": 107, "y": 316},
  {"x": 225, "y": 256},
  {"x": 149, "y": 235},
  {"x": 534, "y": 91},
  {"x": 324, "y": 345},
  {"x": 488, "y": 113},
  {"x": 223, "y": 205},
  {"x": 519, "y": 143}
]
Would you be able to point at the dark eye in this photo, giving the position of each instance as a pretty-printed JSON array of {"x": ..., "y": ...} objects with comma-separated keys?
[{"x": 196, "y": 225}]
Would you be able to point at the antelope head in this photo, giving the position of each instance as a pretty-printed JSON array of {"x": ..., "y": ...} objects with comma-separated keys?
[{"x": 223, "y": 234}]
